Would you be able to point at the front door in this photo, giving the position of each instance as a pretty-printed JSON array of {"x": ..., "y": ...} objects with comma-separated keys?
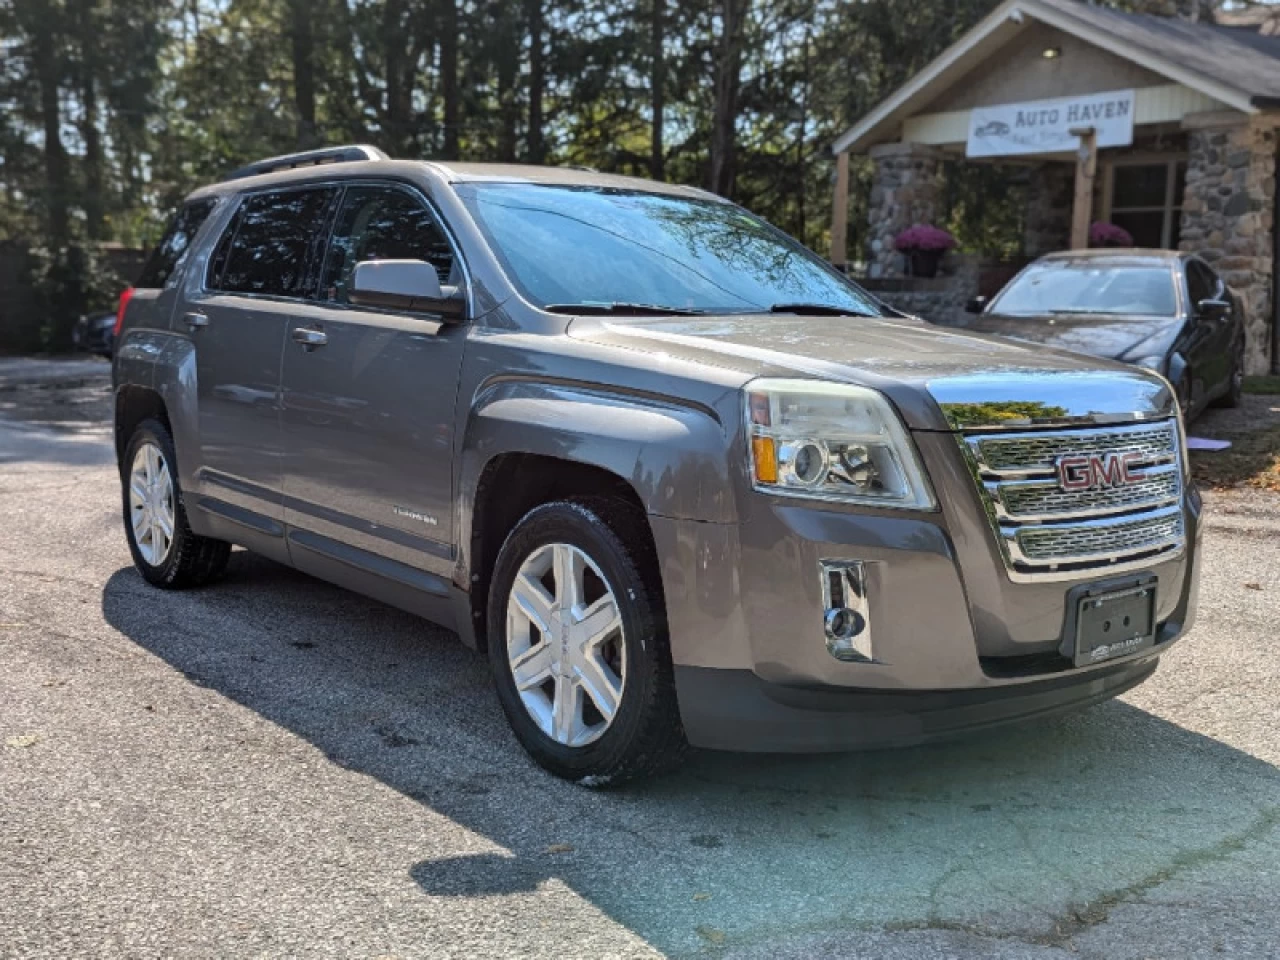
[
  {"x": 368, "y": 399},
  {"x": 256, "y": 282},
  {"x": 1209, "y": 348}
]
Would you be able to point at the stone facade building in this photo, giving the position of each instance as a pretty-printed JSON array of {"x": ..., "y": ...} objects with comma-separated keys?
[{"x": 1183, "y": 117}]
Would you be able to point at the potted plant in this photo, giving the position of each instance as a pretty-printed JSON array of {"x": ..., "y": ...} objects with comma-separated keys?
[
  {"x": 1109, "y": 235},
  {"x": 923, "y": 246}
]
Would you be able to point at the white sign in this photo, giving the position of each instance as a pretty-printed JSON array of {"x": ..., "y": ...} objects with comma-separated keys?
[{"x": 1041, "y": 126}]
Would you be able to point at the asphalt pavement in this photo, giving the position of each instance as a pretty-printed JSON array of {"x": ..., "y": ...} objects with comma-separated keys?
[{"x": 273, "y": 767}]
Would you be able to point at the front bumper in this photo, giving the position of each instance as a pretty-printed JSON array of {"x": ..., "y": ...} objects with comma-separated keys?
[
  {"x": 736, "y": 710},
  {"x": 956, "y": 645}
]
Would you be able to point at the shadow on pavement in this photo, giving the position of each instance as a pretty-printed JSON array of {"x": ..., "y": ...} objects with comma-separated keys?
[{"x": 1039, "y": 828}]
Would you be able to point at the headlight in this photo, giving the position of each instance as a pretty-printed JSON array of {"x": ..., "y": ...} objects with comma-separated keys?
[
  {"x": 832, "y": 441},
  {"x": 1155, "y": 363}
]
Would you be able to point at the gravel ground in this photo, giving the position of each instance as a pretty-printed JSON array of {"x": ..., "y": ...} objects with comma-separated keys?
[{"x": 272, "y": 767}]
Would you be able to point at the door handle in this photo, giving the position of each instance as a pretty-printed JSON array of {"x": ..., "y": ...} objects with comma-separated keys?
[
  {"x": 310, "y": 337},
  {"x": 195, "y": 320}
]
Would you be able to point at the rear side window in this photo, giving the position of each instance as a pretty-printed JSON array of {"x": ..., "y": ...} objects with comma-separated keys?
[
  {"x": 177, "y": 237},
  {"x": 382, "y": 223},
  {"x": 267, "y": 246}
]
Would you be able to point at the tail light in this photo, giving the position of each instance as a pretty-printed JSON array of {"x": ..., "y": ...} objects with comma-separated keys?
[{"x": 125, "y": 297}]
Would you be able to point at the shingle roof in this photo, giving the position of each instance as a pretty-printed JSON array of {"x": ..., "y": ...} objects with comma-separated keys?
[{"x": 1238, "y": 56}]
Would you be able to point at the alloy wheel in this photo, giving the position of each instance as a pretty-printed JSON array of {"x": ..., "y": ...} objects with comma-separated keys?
[
  {"x": 151, "y": 507},
  {"x": 566, "y": 644}
]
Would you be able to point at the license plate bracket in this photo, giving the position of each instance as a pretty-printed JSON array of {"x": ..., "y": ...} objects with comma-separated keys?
[{"x": 1110, "y": 621}]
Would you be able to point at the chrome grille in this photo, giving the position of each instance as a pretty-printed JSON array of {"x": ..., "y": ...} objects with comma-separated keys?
[
  {"x": 1054, "y": 543},
  {"x": 1044, "y": 499},
  {"x": 1039, "y": 451},
  {"x": 1046, "y": 532}
]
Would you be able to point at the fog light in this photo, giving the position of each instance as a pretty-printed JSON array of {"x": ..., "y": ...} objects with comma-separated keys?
[{"x": 845, "y": 618}]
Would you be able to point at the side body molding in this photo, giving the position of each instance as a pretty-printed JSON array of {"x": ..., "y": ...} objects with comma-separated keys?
[{"x": 674, "y": 453}]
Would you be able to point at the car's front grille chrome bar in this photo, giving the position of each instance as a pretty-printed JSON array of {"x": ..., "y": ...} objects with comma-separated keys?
[{"x": 1046, "y": 531}]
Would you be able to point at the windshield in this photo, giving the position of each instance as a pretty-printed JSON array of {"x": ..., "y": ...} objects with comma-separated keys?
[
  {"x": 1065, "y": 287},
  {"x": 565, "y": 245}
]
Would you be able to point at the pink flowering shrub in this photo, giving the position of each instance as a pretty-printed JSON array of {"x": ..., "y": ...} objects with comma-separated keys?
[
  {"x": 924, "y": 238},
  {"x": 1109, "y": 235}
]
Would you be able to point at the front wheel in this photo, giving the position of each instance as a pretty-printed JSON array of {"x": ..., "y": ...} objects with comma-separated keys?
[
  {"x": 165, "y": 550},
  {"x": 578, "y": 643}
]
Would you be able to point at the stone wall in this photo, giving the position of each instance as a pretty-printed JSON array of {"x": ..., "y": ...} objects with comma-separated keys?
[
  {"x": 906, "y": 189},
  {"x": 1228, "y": 217},
  {"x": 939, "y": 299},
  {"x": 1050, "y": 195}
]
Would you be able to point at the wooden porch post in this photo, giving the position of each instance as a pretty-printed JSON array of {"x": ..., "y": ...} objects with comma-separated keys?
[
  {"x": 1086, "y": 170},
  {"x": 840, "y": 212}
]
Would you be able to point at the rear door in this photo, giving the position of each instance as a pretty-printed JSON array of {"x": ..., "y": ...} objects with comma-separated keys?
[
  {"x": 369, "y": 394},
  {"x": 156, "y": 289},
  {"x": 257, "y": 281}
]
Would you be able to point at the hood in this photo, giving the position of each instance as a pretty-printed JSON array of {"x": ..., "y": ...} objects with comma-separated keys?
[
  {"x": 939, "y": 379},
  {"x": 1112, "y": 336}
]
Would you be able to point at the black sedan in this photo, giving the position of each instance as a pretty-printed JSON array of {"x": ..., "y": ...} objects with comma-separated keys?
[
  {"x": 95, "y": 333},
  {"x": 1159, "y": 309}
]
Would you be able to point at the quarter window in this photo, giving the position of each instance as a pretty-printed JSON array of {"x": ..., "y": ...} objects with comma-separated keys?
[
  {"x": 168, "y": 253},
  {"x": 267, "y": 246},
  {"x": 382, "y": 223}
]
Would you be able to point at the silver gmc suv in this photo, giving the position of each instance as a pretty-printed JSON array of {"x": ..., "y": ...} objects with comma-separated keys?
[{"x": 681, "y": 481}]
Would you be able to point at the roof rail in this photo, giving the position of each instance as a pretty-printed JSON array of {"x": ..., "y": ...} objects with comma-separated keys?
[{"x": 348, "y": 154}]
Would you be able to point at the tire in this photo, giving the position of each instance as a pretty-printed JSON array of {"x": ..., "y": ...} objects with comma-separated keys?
[
  {"x": 609, "y": 545},
  {"x": 185, "y": 560}
]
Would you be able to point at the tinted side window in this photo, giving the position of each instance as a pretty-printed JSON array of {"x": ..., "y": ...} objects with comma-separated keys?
[
  {"x": 1202, "y": 283},
  {"x": 167, "y": 254},
  {"x": 382, "y": 223},
  {"x": 273, "y": 235}
]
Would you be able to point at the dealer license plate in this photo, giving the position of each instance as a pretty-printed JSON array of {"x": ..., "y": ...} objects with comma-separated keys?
[{"x": 1115, "y": 624}]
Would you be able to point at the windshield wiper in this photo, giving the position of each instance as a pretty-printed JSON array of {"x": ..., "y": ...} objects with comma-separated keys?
[
  {"x": 818, "y": 309},
  {"x": 621, "y": 307}
]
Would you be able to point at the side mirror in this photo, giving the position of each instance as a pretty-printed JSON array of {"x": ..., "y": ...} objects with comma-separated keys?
[
  {"x": 409, "y": 285},
  {"x": 1212, "y": 309},
  {"x": 976, "y": 305}
]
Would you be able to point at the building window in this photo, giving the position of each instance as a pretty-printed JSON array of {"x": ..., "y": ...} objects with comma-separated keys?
[{"x": 1145, "y": 197}]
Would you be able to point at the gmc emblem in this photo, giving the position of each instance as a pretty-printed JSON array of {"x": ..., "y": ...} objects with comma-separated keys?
[{"x": 1096, "y": 471}]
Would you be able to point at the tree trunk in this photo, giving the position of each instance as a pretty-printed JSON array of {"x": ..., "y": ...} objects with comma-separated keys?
[
  {"x": 537, "y": 145},
  {"x": 57, "y": 199},
  {"x": 728, "y": 81},
  {"x": 395, "y": 120},
  {"x": 94, "y": 191},
  {"x": 657, "y": 90},
  {"x": 304, "y": 73},
  {"x": 508, "y": 50},
  {"x": 449, "y": 76},
  {"x": 801, "y": 139}
]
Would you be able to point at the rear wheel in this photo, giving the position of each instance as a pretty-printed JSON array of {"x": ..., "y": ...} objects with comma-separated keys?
[
  {"x": 164, "y": 549},
  {"x": 578, "y": 643}
]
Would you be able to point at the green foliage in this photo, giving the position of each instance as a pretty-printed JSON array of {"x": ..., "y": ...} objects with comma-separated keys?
[
  {"x": 67, "y": 281},
  {"x": 112, "y": 110}
]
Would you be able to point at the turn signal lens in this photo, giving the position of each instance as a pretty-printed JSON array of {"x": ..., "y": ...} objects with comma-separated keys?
[{"x": 765, "y": 455}]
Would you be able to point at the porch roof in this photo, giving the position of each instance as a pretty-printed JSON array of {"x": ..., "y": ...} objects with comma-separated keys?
[{"x": 1237, "y": 66}]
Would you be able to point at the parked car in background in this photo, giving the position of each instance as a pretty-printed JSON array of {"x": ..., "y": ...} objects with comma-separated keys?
[
  {"x": 1159, "y": 309},
  {"x": 95, "y": 332},
  {"x": 683, "y": 482}
]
